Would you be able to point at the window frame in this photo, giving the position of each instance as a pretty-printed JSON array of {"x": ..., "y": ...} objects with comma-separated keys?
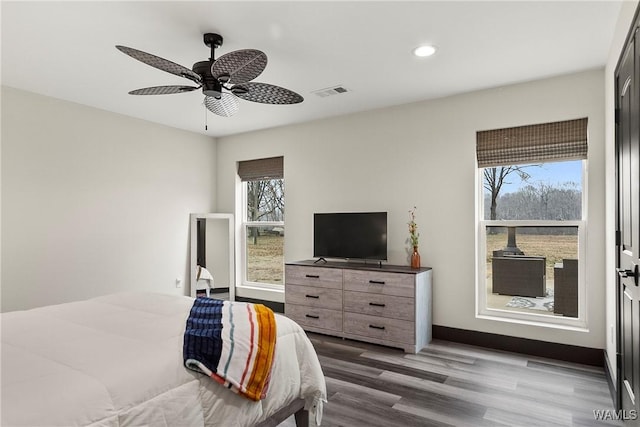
[
  {"x": 483, "y": 312},
  {"x": 244, "y": 226}
]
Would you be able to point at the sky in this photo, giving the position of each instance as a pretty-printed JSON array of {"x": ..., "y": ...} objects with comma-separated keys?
[{"x": 553, "y": 173}]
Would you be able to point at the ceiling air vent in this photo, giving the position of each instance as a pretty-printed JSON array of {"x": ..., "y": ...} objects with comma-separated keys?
[{"x": 335, "y": 90}]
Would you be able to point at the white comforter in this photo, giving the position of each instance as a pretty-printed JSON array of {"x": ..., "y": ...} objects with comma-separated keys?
[{"x": 117, "y": 361}]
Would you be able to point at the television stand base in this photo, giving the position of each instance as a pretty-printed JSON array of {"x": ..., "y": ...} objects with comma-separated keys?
[{"x": 324, "y": 261}]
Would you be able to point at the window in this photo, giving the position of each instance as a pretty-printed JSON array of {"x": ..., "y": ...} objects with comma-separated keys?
[
  {"x": 263, "y": 228},
  {"x": 531, "y": 223}
]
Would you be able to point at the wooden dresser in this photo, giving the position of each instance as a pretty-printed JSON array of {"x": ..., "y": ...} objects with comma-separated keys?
[{"x": 388, "y": 305}]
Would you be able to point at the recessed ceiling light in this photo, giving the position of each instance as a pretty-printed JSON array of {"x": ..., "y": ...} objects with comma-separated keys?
[{"x": 424, "y": 50}]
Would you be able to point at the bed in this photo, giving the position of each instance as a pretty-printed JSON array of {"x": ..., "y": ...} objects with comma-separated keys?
[{"x": 117, "y": 360}]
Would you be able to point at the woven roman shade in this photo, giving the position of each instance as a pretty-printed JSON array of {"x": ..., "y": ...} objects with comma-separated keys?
[
  {"x": 543, "y": 142},
  {"x": 261, "y": 169}
]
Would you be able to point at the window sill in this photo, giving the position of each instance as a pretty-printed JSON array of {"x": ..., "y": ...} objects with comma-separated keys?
[
  {"x": 574, "y": 325},
  {"x": 273, "y": 293}
]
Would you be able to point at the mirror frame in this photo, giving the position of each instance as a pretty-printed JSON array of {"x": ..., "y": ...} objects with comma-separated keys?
[{"x": 192, "y": 265}]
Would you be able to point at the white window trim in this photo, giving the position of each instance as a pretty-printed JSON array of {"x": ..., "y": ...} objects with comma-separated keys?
[
  {"x": 483, "y": 312},
  {"x": 244, "y": 224}
]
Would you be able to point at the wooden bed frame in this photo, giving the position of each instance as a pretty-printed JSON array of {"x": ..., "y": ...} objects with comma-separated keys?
[{"x": 295, "y": 408}]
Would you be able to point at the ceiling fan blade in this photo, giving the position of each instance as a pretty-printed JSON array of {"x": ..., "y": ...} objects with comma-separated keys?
[
  {"x": 162, "y": 90},
  {"x": 266, "y": 93},
  {"x": 239, "y": 66},
  {"x": 226, "y": 106},
  {"x": 160, "y": 63}
]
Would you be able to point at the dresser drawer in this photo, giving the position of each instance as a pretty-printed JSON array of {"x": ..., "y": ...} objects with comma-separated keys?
[
  {"x": 379, "y": 305},
  {"x": 313, "y": 276},
  {"x": 316, "y": 317},
  {"x": 379, "y": 282},
  {"x": 314, "y": 297},
  {"x": 400, "y": 331}
]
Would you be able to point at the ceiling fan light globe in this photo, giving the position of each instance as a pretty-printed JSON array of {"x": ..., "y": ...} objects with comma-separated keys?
[{"x": 225, "y": 106}]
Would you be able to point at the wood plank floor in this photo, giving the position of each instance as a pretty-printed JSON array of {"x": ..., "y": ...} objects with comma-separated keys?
[{"x": 450, "y": 384}]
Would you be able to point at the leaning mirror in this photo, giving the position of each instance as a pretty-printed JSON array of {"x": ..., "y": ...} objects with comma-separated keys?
[{"x": 212, "y": 256}]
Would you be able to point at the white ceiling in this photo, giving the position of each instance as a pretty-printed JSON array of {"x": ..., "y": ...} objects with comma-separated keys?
[{"x": 66, "y": 50}]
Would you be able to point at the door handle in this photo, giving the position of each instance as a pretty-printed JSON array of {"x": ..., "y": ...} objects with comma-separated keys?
[{"x": 626, "y": 273}]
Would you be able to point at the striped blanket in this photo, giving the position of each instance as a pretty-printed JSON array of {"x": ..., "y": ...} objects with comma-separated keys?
[{"x": 233, "y": 343}]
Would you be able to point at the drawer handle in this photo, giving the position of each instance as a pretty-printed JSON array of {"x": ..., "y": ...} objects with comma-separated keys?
[
  {"x": 377, "y": 282},
  {"x": 312, "y": 296},
  {"x": 375, "y": 304},
  {"x": 312, "y": 316},
  {"x": 377, "y": 327},
  {"x": 312, "y": 276}
]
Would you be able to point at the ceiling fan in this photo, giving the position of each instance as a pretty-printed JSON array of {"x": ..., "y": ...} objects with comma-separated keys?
[{"x": 222, "y": 80}]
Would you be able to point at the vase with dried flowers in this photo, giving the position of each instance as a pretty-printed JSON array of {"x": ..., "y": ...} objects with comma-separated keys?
[{"x": 413, "y": 238}]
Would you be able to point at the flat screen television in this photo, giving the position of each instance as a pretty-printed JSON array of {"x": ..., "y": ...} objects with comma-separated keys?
[{"x": 352, "y": 235}]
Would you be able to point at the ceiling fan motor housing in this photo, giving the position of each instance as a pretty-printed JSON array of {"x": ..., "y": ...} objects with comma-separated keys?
[{"x": 210, "y": 85}]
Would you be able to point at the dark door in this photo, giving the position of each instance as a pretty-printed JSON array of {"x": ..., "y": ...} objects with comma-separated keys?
[{"x": 628, "y": 223}]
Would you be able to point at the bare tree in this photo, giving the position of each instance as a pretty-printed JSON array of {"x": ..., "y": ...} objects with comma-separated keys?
[
  {"x": 265, "y": 202},
  {"x": 542, "y": 201},
  {"x": 494, "y": 179}
]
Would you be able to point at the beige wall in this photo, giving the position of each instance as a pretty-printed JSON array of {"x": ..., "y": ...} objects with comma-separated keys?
[
  {"x": 423, "y": 154},
  {"x": 95, "y": 202}
]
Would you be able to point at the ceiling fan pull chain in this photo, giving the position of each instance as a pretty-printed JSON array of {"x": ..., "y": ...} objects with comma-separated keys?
[{"x": 205, "y": 116}]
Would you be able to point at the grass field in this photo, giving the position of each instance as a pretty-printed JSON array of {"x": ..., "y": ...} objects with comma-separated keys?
[{"x": 266, "y": 259}]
